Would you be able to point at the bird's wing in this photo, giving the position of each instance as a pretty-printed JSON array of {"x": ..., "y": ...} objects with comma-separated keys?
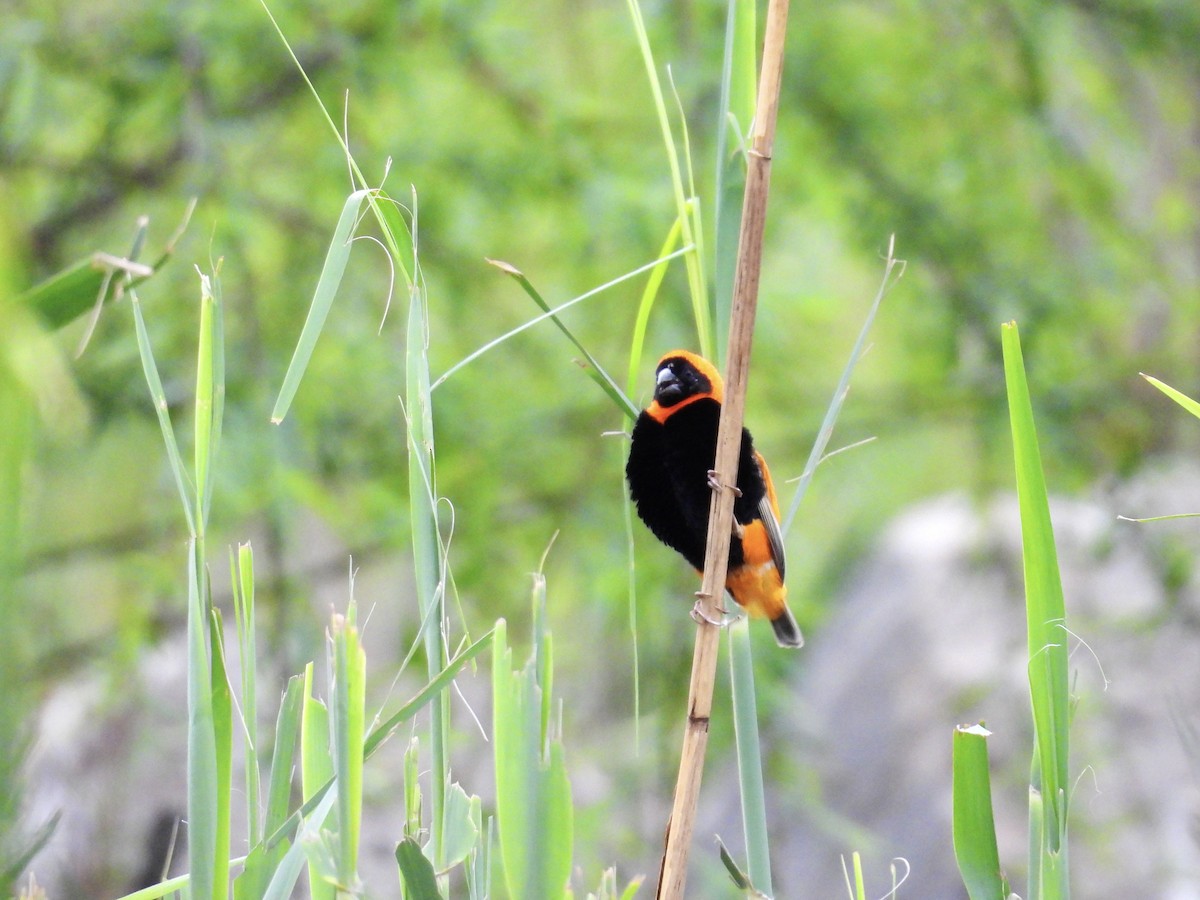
[{"x": 768, "y": 510}]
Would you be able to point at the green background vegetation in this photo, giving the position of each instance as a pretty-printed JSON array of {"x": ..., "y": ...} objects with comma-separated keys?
[{"x": 1037, "y": 161}]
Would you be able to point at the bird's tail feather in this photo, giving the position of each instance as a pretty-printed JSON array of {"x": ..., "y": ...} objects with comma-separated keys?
[{"x": 787, "y": 632}]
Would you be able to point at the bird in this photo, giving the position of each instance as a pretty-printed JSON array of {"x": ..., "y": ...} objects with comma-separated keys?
[{"x": 671, "y": 479}]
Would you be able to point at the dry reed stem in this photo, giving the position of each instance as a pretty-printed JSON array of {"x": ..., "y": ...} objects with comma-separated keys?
[{"x": 673, "y": 874}]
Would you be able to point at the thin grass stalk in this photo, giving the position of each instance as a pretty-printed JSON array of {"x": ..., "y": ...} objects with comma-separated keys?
[
  {"x": 697, "y": 287},
  {"x": 202, "y": 747},
  {"x": 673, "y": 875},
  {"x": 736, "y": 109},
  {"x": 749, "y": 757},
  {"x": 242, "y": 573},
  {"x": 427, "y": 561},
  {"x": 347, "y": 726}
]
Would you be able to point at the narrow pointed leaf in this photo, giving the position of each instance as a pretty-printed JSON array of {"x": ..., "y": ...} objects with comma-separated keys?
[{"x": 327, "y": 287}]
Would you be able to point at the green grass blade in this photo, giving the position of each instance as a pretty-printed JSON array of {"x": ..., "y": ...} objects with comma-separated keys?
[
  {"x": 1037, "y": 829},
  {"x": 328, "y": 283},
  {"x": 412, "y": 788},
  {"x": 740, "y": 879},
  {"x": 428, "y": 563},
  {"x": 514, "y": 747},
  {"x": 33, "y": 846},
  {"x": 347, "y": 718},
  {"x": 543, "y": 661},
  {"x": 892, "y": 271},
  {"x": 283, "y": 882},
  {"x": 595, "y": 371},
  {"x": 222, "y": 702},
  {"x": 242, "y": 573},
  {"x": 66, "y": 295},
  {"x": 202, "y": 775},
  {"x": 394, "y": 230},
  {"x": 558, "y": 825},
  {"x": 1182, "y": 399},
  {"x": 382, "y": 206},
  {"x": 316, "y": 768},
  {"x": 387, "y": 728},
  {"x": 416, "y": 871},
  {"x": 217, "y": 366},
  {"x": 91, "y": 283},
  {"x": 206, "y": 402},
  {"x": 649, "y": 295},
  {"x": 697, "y": 287},
  {"x": 287, "y": 727},
  {"x": 1045, "y": 612},
  {"x": 739, "y": 84},
  {"x": 537, "y": 320},
  {"x": 749, "y": 756},
  {"x": 974, "y": 825},
  {"x": 159, "y": 397},
  {"x": 155, "y": 891}
]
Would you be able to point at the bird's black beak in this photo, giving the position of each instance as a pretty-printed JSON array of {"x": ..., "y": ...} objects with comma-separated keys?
[{"x": 669, "y": 389}]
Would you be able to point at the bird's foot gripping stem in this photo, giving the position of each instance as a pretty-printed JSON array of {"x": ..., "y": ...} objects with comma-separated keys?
[
  {"x": 714, "y": 482},
  {"x": 699, "y": 615}
]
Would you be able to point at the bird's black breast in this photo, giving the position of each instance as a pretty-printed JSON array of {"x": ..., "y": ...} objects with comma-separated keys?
[{"x": 668, "y": 478}]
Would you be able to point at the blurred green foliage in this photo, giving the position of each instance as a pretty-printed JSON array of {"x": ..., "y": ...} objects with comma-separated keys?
[{"x": 1036, "y": 160}]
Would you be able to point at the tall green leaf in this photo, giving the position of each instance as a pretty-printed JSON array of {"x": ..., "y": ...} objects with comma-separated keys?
[
  {"x": 749, "y": 756},
  {"x": 1047, "y": 634}
]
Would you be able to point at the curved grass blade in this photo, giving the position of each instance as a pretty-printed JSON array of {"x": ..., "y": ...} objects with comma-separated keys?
[
  {"x": 596, "y": 371},
  {"x": 649, "y": 295},
  {"x": 327, "y": 287},
  {"x": 385, "y": 729},
  {"x": 159, "y": 396},
  {"x": 697, "y": 287},
  {"x": 381, "y": 205},
  {"x": 891, "y": 264},
  {"x": 626, "y": 406},
  {"x": 288, "y": 871}
]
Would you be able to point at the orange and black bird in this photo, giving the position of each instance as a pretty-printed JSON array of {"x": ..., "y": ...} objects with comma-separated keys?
[{"x": 670, "y": 479}]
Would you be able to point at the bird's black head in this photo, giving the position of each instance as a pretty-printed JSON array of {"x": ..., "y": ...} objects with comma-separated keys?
[{"x": 681, "y": 376}]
